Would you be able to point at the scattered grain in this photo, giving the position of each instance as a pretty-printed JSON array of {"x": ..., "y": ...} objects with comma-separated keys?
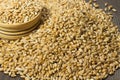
[
  {"x": 106, "y": 4},
  {"x": 110, "y": 7},
  {"x": 95, "y": 5},
  {"x": 75, "y": 41},
  {"x": 114, "y": 10}
]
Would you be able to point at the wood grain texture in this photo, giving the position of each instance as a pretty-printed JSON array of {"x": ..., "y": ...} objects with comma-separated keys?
[{"x": 116, "y": 20}]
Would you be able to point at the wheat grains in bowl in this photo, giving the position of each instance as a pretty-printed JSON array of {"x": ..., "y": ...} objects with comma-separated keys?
[
  {"x": 18, "y": 11},
  {"x": 77, "y": 41}
]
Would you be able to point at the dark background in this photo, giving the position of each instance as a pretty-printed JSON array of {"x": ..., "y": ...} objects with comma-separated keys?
[{"x": 116, "y": 20}]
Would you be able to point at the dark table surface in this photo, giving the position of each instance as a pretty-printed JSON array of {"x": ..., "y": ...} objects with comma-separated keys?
[{"x": 116, "y": 20}]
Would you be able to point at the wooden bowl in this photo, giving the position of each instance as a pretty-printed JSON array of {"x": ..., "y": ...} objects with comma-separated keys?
[
  {"x": 17, "y": 30},
  {"x": 16, "y": 35},
  {"x": 20, "y": 26}
]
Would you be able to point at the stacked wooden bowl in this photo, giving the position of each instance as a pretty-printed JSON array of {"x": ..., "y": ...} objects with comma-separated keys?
[{"x": 17, "y": 30}]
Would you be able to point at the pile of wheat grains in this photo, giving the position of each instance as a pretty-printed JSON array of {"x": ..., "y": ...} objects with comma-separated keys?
[{"x": 74, "y": 42}]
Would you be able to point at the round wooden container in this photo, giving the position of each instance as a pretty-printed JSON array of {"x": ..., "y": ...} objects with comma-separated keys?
[
  {"x": 15, "y": 31},
  {"x": 19, "y": 26},
  {"x": 16, "y": 35}
]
